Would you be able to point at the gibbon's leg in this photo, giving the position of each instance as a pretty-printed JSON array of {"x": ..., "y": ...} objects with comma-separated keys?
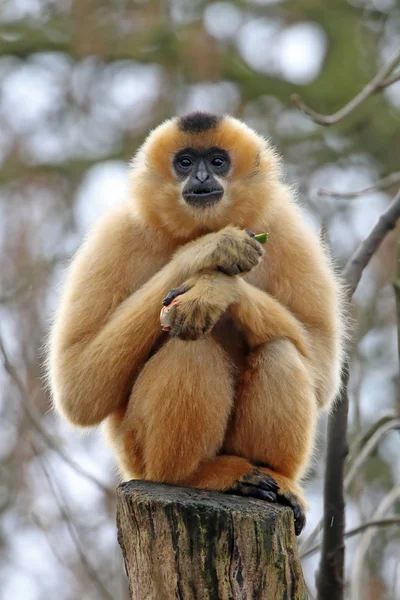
[
  {"x": 274, "y": 422},
  {"x": 177, "y": 413},
  {"x": 277, "y": 382},
  {"x": 125, "y": 447},
  {"x": 176, "y": 420}
]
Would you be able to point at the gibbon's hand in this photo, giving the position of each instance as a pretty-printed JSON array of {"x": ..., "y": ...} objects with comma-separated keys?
[
  {"x": 202, "y": 300},
  {"x": 236, "y": 251},
  {"x": 231, "y": 251}
]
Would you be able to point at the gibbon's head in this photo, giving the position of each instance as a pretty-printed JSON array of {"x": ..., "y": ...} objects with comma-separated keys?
[{"x": 200, "y": 172}]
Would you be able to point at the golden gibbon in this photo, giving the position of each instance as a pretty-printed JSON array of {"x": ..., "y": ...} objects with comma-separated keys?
[{"x": 228, "y": 399}]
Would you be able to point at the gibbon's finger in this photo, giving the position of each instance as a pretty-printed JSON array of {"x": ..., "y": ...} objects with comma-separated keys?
[
  {"x": 172, "y": 294},
  {"x": 261, "y": 479},
  {"x": 268, "y": 483},
  {"x": 229, "y": 270},
  {"x": 255, "y": 246},
  {"x": 251, "y": 258},
  {"x": 250, "y": 233}
]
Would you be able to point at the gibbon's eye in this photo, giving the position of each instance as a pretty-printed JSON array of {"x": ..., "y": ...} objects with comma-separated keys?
[
  {"x": 218, "y": 161},
  {"x": 185, "y": 162}
]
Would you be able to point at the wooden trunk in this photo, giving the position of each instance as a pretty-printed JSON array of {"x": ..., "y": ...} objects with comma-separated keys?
[{"x": 186, "y": 544}]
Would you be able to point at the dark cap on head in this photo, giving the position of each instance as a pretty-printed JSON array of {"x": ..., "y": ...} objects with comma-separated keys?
[{"x": 197, "y": 122}]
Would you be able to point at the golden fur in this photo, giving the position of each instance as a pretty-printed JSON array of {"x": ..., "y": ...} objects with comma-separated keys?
[{"x": 201, "y": 411}]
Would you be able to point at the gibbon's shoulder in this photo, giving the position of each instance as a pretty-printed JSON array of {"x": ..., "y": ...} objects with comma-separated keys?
[{"x": 118, "y": 228}]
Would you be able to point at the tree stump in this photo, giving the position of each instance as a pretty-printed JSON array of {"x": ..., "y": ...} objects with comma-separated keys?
[{"x": 187, "y": 544}]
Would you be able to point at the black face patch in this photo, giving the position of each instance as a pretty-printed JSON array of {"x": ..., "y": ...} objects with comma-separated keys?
[
  {"x": 198, "y": 122},
  {"x": 200, "y": 169}
]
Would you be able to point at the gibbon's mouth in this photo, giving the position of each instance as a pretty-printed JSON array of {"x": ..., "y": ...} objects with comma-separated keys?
[{"x": 203, "y": 198}]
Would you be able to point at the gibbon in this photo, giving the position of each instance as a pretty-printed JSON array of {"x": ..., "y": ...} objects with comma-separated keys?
[{"x": 228, "y": 399}]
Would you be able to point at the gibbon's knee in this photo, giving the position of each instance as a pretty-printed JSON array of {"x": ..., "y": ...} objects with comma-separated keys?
[
  {"x": 276, "y": 410},
  {"x": 179, "y": 407},
  {"x": 124, "y": 445}
]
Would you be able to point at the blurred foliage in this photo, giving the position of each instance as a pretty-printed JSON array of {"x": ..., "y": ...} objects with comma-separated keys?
[{"x": 81, "y": 83}]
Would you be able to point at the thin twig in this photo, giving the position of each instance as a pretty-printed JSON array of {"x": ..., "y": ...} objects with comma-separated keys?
[
  {"x": 14, "y": 375},
  {"x": 389, "y": 81},
  {"x": 362, "y": 438},
  {"x": 71, "y": 528},
  {"x": 381, "y": 184},
  {"x": 356, "y": 463},
  {"x": 54, "y": 549},
  {"x": 358, "y": 574},
  {"x": 396, "y": 289},
  {"x": 367, "y": 449},
  {"x": 352, "y": 532},
  {"x": 380, "y": 81},
  {"x": 355, "y": 266}
]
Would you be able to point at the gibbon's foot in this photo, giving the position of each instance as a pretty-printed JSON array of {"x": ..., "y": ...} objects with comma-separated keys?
[
  {"x": 256, "y": 485},
  {"x": 262, "y": 485}
]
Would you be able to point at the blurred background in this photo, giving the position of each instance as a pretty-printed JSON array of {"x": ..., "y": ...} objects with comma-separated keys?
[{"x": 81, "y": 84}]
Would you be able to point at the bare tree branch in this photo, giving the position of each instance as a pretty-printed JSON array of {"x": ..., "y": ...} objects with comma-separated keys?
[
  {"x": 367, "y": 449},
  {"x": 357, "y": 576},
  {"x": 51, "y": 442},
  {"x": 389, "y": 81},
  {"x": 379, "y": 82},
  {"x": 396, "y": 288},
  {"x": 330, "y": 576},
  {"x": 381, "y": 184},
  {"x": 385, "y": 416},
  {"x": 55, "y": 549},
  {"x": 93, "y": 576},
  {"x": 369, "y": 442},
  {"x": 330, "y": 584},
  {"x": 355, "y": 531},
  {"x": 354, "y": 268}
]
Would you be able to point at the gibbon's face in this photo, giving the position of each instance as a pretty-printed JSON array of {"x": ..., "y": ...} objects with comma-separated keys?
[{"x": 200, "y": 172}]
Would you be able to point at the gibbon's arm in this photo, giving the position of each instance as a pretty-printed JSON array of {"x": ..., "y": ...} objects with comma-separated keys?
[
  {"x": 263, "y": 318},
  {"x": 303, "y": 303},
  {"x": 108, "y": 319}
]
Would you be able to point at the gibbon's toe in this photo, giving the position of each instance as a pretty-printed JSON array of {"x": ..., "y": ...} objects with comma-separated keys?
[{"x": 295, "y": 504}]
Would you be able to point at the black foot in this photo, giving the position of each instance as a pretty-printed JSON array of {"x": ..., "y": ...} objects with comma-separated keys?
[
  {"x": 259, "y": 484},
  {"x": 256, "y": 485}
]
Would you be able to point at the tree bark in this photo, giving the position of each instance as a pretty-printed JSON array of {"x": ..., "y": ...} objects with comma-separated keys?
[
  {"x": 330, "y": 577},
  {"x": 189, "y": 544}
]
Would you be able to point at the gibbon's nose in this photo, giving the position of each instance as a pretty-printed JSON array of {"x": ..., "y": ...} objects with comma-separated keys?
[{"x": 202, "y": 174}]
